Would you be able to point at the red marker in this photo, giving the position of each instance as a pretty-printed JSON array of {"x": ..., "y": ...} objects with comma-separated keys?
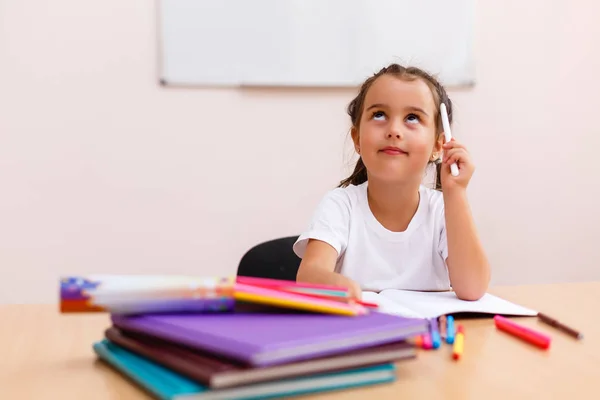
[{"x": 529, "y": 335}]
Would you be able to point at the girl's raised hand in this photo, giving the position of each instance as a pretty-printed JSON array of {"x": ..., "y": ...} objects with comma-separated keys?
[{"x": 456, "y": 152}]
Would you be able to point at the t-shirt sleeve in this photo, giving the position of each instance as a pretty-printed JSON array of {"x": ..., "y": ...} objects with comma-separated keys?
[{"x": 330, "y": 223}]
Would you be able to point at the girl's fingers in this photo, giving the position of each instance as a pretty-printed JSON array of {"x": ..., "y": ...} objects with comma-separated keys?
[
  {"x": 460, "y": 158},
  {"x": 451, "y": 153},
  {"x": 456, "y": 156},
  {"x": 453, "y": 144}
]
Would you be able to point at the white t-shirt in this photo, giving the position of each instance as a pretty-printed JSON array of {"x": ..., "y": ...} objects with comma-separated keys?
[{"x": 375, "y": 257}]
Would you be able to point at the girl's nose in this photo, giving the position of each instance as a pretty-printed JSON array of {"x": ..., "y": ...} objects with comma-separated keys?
[{"x": 395, "y": 129}]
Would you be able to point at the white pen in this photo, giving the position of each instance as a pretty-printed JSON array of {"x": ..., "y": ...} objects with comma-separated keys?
[{"x": 447, "y": 134}]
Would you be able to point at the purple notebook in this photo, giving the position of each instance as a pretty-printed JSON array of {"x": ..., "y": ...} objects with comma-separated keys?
[{"x": 261, "y": 339}]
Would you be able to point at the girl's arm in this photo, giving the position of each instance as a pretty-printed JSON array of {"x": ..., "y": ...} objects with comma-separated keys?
[
  {"x": 467, "y": 262},
  {"x": 318, "y": 266}
]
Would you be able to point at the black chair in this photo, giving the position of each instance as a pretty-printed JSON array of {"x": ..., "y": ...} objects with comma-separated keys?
[{"x": 274, "y": 259}]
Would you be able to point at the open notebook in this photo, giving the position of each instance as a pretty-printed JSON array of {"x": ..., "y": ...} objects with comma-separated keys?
[{"x": 415, "y": 304}]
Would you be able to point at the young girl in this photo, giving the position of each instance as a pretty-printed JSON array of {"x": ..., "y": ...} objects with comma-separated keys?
[{"x": 381, "y": 228}]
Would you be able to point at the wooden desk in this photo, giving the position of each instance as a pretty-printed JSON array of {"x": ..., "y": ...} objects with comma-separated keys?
[{"x": 47, "y": 355}]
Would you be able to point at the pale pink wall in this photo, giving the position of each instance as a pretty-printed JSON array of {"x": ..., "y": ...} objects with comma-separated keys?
[{"x": 103, "y": 171}]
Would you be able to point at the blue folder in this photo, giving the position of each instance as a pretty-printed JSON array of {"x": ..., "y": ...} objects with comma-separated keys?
[{"x": 166, "y": 384}]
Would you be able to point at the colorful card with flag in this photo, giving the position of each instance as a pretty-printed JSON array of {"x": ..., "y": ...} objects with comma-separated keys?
[{"x": 131, "y": 294}]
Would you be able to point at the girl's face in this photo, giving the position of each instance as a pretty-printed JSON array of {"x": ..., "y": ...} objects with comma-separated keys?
[{"x": 396, "y": 134}]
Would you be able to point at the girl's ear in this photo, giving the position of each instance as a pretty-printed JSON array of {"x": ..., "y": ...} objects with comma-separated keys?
[
  {"x": 439, "y": 144},
  {"x": 354, "y": 134},
  {"x": 437, "y": 147}
]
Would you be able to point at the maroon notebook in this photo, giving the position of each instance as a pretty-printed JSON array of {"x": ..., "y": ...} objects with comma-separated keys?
[{"x": 217, "y": 372}]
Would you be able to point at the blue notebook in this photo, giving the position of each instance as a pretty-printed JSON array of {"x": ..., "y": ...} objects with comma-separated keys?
[{"x": 165, "y": 384}]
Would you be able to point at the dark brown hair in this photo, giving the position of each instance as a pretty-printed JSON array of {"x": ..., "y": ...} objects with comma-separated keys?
[{"x": 356, "y": 108}]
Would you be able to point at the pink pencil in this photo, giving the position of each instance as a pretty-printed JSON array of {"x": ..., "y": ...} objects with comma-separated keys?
[{"x": 266, "y": 282}]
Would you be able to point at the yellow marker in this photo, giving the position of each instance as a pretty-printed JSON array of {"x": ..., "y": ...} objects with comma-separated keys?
[{"x": 459, "y": 342}]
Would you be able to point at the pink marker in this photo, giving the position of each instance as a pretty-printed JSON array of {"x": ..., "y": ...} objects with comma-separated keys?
[
  {"x": 527, "y": 334},
  {"x": 427, "y": 344}
]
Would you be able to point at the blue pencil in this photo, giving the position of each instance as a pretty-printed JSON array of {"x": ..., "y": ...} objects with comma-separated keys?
[
  {"x": 436, "y": 340},
  {"x": 450, "y": 329}
]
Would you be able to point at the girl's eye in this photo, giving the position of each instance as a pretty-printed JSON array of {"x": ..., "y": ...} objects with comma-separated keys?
[
  {"x": 378, "y": 116},
  {"x": 413, "y": 119}
]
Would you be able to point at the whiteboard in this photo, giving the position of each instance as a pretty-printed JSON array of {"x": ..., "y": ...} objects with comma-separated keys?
[{"x": 321, "y": 43}]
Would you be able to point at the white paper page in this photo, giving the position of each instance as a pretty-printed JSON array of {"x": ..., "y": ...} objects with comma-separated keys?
[
  {"x": 388, "y": 306},
  {"x": 434, "y": 304}
]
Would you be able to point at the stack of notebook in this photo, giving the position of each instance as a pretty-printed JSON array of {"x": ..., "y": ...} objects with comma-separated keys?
[{"x": 266, "y": 339}]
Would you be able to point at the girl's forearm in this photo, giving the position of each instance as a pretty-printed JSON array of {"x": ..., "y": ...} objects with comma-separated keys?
[
  {"x": 467, "y": 262},
  {"x": 319, "y": 275}
]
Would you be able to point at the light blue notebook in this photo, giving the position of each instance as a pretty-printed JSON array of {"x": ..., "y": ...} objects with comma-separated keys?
[{"x": 165, "y": 384}]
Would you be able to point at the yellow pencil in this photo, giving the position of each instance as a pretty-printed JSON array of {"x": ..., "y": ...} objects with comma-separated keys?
[
  {"x": 273, "y": 301},
  {"x": 458, "y": 343}
]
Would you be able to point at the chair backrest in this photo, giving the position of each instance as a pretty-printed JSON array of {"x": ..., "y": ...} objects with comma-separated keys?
[{"x": 274, "y": 259}]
